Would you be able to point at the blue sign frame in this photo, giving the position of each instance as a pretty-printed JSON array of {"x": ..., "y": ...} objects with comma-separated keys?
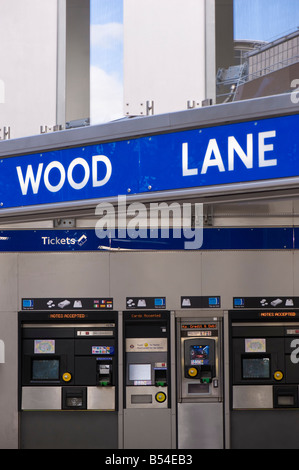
[
  {"x": 226, "y": 154},
  {"x": 242, "y": 238}
]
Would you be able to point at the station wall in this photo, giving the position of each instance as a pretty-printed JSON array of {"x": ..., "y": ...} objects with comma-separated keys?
[{"x": 123, "y": 274}]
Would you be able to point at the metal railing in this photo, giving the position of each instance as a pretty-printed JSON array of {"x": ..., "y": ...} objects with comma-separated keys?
[
  {"x": 269, "y": 69},
  {"x": 245, "y": 77}
]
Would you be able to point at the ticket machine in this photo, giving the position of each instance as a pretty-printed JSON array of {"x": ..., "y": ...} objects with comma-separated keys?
[
  {"x": 200, "y": 384},
  {"x": 68, "y": 380},
  {"x": 147, "y": 380},
  {"x": 264, "y": 379}
]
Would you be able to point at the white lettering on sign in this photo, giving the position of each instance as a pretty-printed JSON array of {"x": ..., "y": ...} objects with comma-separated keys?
[
  {"x": 58, "y": 241},
  {"x": 61, "y": 170},
  {"x": 234, "y": 147},
  {"x": 187, "y": 171},
  {"x": 106, "y": 161},
  {"x": 209, "y": 161},
  {"x": 213, "y": 155},
  {"x": 84, "y": 164},
  {"x": 266, "y": 148},
  {"x": 30, "y": 179}
]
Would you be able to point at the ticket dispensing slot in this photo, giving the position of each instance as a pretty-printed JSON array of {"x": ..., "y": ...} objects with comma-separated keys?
[
  {"x": 74, "y": 398},
  {"x": 285, "y": 396}
]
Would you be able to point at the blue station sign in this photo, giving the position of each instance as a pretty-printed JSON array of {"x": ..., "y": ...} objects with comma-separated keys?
[
  {"x": 76, "y": 240},
  {"x": 241, "y": 152}
]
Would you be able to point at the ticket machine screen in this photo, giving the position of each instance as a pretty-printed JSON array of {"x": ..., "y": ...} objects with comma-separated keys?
[
  {"x": 257, "y": 367},
  {"x": 199, "y": 355},
  {"x": 45, "y": 369},
  {"x": 140, "y": 372}
]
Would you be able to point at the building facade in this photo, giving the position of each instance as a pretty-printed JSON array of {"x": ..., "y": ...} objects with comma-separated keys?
[
  {"x": 149, "y": 266},
  {"x": 45, "y": 66}
]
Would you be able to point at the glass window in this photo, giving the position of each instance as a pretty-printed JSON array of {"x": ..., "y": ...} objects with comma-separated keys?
[
  {"x": 268, "y": 31},
  {"x": 106, "y": 60},
  {"x": 264, "y": 21}
]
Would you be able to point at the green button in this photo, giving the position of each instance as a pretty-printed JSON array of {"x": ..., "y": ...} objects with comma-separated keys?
[{"x": 206, "y": 381}]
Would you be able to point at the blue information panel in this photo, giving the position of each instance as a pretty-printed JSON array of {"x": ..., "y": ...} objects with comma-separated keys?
[
  {"x": 272, "y": 238},
  {"x": 242, "y": 152}
]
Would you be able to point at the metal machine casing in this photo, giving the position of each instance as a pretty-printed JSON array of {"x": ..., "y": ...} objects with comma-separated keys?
[
  {"x": 148, "y": 404},
  {"x": 199, "y": 381},
  {"x": 264, "y": 378},
  {"x": 68, "y": 363}
]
